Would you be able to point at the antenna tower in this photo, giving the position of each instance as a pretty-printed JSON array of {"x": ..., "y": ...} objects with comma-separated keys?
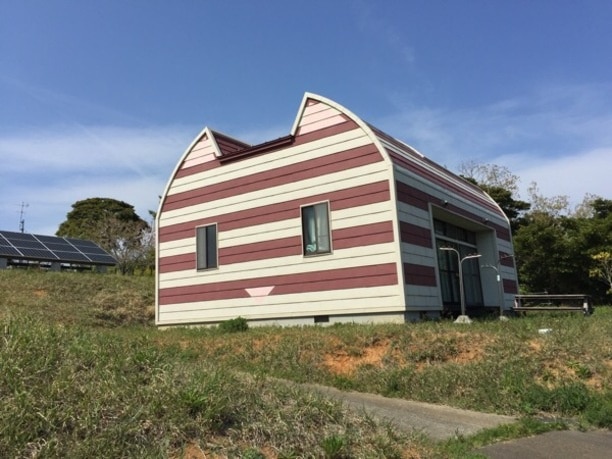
[{"x": 24, "y": 205}]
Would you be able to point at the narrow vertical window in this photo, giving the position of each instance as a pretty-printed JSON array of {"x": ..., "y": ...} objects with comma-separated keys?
[
  {"x": 206, "y": 247},
  {"x": 315, "y": 229}
]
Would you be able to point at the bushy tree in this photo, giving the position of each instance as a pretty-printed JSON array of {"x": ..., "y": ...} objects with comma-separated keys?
[
  {"x": 557, "y": 250},
  {"x": 115, "y": 226},
  {"x": 602, "y": 269},
  {"x": 559, "y": 253},
  {"x": 499, "y": 183}
]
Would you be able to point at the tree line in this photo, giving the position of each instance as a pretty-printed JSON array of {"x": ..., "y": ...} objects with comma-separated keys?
[{"x": 558, "y": 249}]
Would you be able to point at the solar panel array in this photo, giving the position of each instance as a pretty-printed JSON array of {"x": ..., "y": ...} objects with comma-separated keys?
[{"x": 51, "y": 248}]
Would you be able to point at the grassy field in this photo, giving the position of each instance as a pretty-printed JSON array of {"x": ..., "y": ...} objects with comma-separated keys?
[{"x": 84, "y": 373}]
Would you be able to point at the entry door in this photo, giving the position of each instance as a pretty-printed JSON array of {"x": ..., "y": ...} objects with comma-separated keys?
[{"x": 449, "y": 275}]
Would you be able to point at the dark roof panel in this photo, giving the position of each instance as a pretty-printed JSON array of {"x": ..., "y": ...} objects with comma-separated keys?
[{"x": 36, "y": 247}]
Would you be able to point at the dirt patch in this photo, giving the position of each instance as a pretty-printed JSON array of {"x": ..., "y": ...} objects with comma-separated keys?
[
  {"x": 193, "y": 451},
  {"x": 460, "y": 348},
  {"x": 41, "y": 293},
  {"x": 535, "y": 345},
  {"x": 341, "y": 362},
  {"x": 263, "y": 343}
]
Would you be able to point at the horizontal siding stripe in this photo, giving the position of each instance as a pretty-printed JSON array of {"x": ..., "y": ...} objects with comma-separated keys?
[
  {"x": 377, "y": 233},
  {"x": 285, "y": 157},
  {"x": 296, "y": 303},
  {"x": 419, "y": 275},
  {"x": 418, "y": 198},
  {"x": 363, "y": 235},
  {"x": 354, "y": 301},
  {"x": 177, "y": 262},
  {"x": 413, "y": 196},
  {"x": 343, "y": 218},
  {"x": 284, "y": 247},
  {"x": 197, "y": 169},
  {"x": 320, "y": 119},
  {"x": 417, "y": 235},
  {"x": 407, "y": 157},
  {"x": 322, "y": 185},
  {"x": 346, "y": 126},
  {"x": 355, "y": 256},
  {"x": 506, "y": 260},
  {"x": 445, "y": 182},
  {"x": 196, "y": 160},
  {"x": 304, "y": 170},
  {"x": 314, "y": 106},
  {"x": 510, "y": 286},
  {"x": 372, "y": 193},
  {"x": 336, "y": 279}
]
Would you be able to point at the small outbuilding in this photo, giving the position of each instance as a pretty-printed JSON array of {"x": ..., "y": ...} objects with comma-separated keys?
[{"x": 335, "y": 222}]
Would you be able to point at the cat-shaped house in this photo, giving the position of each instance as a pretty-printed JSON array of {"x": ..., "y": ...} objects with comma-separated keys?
[{"x": 336, "y": 222}]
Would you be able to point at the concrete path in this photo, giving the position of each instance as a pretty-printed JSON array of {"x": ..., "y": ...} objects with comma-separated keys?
[
  {"x": 436, "y": 421},
  {"x": 443, "y": 422},
  {"x": 567, "y": 444}
]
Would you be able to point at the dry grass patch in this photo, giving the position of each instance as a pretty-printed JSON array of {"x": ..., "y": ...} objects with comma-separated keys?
[
  {"x": 422, "y": 351},
  {"x": 341, "y": 362}
]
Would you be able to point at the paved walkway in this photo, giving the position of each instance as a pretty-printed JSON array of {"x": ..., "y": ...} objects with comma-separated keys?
[
  {"x": 443, "y": 422},
  {"x": 566, "y": 444},
  {"x": 436, "y": 421}
]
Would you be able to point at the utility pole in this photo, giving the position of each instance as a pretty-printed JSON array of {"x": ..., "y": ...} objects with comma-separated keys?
[{"x": 21, "y": 216}]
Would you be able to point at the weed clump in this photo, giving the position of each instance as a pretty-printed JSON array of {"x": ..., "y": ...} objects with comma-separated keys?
[{"x": 239, "y": 324}]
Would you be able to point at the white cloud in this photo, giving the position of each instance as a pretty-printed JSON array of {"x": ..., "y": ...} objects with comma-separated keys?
[
  {"x": 52, "y": 169},
  {"x": 573, "y": 176},
  {"x": 559, "y": 137}
]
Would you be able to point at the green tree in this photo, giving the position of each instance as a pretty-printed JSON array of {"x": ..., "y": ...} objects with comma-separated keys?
[
  {"x": 557, "y": 253},
  {"x": 501, "y": 185},
  {"x": 543, "y": 257},
  {"x": 602, "y": 268},
  {"x": 112, "y": 224},
  {"x": 513, "y": 208}
]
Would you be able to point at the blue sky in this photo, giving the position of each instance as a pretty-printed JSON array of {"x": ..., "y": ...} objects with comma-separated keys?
[{"x": 101, "y": 98}]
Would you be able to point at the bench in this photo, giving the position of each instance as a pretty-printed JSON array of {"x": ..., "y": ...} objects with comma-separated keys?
[{"x": 547, "y": 302}]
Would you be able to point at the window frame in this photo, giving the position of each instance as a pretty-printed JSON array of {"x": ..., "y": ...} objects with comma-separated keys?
[
  {"x": 318, "y": 252},
  {"x": 208, "y": 262}
]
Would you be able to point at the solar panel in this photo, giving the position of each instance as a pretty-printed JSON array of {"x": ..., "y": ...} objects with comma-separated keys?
[
  {"x": 94, "y": 250},
  {"x": 102, "y": 259},
  {"x": 73, "y": 256},
  {"x": 6, "y": 251},
  {"x": 53, "y": 239},
  {"x": 60, "y": 247},
  {"x": 81, "y": 242},
  {"x": 25, "y": 246},
  {"x": 39, "y": 254}
]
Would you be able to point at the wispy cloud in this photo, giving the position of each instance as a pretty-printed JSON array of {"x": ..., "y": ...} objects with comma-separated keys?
[
  {"x": 558, "y": 136},
  {"x": 52, "y": 169}
]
